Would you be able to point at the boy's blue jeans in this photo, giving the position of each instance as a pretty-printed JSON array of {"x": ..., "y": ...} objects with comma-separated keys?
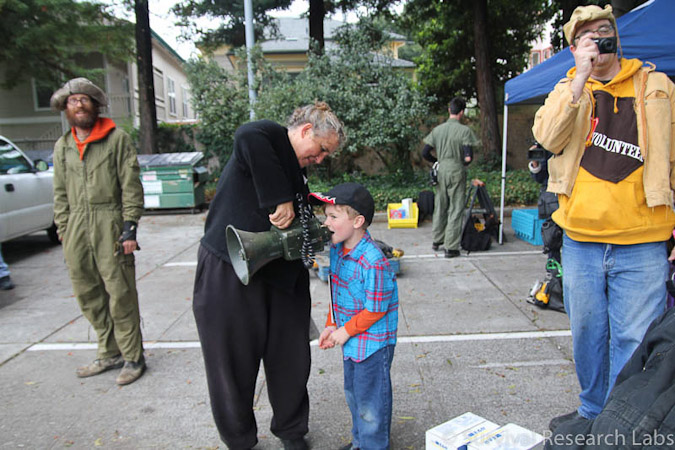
[
  {"x": 369, "y": 397},
  {"x": 612, "y": 293}
]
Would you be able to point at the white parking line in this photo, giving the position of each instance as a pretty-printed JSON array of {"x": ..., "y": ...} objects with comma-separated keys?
[
  {"x": 472, "y": 255},
  {"x": 427, "y": 256},
  {"x": 401, "y": 340},
  {"x": 181, "y": 264},
  {"x": 544, "y": 362}
]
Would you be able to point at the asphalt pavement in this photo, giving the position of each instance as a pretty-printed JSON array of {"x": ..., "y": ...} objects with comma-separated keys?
[{"x": 467, "y": 341}]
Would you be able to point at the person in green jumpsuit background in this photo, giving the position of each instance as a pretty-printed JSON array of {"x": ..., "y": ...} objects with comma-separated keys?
[
  {"x": 98, "y": 201},
  {"x": 453, "y": 144}
]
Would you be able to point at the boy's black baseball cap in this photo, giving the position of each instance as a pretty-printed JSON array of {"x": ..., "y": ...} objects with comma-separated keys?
[{"x": 351, "y": 194}]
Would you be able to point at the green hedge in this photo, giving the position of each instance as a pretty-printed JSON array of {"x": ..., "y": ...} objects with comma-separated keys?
[
  {"x": 391, "y": 188},
  {"x": 520, "y": 188}
]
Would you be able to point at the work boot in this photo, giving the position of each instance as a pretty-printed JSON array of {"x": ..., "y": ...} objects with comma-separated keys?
[
  {"x": 131, "y": 372},
  {"x": 435, "y": 246},
  {"x": 6, "y": 283},
  {"x": 100, "y": 366},
  {"x": 451, "y": 253}
]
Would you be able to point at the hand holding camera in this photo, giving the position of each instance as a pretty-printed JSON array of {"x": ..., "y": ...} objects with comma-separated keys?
[{"x": 606, "y": 44}]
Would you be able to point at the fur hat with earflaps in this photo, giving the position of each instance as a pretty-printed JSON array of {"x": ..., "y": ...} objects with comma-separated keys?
[
  {"x": 77, "y": 86},
  {"x": 583, "y": 14}
]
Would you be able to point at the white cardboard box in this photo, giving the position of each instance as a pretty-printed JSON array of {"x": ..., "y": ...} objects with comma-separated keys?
[
  {"x": 455, "y": 433},
  {"x": 508, "y": 437}
]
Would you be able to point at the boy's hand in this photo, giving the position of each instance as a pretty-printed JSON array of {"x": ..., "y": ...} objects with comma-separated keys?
[
  {"x": 324, "y": 338},
  {"x": 339, "y": 336}
]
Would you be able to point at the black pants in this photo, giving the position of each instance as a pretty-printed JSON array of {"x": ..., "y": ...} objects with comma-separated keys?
[{"x": 239, "y": 326}]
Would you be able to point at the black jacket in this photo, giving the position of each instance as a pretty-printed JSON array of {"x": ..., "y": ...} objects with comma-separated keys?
[
  {"x": 640, "y": 411},
  {"x": 262, "y": 172}
]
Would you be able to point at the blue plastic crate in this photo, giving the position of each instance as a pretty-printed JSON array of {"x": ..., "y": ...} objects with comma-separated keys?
[{"x": 527, "y": 225}]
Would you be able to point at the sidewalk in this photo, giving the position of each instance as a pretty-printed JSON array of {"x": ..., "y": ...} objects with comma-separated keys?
[{"x": 468, "y": 341}]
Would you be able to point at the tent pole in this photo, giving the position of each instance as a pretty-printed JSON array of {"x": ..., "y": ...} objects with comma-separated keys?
[{"x": 501, "y": 203}]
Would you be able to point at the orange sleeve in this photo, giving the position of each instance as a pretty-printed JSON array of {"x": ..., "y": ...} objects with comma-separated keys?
[
  {"x": 362, "y": 321},
  {"x": 329, "y": 321}
]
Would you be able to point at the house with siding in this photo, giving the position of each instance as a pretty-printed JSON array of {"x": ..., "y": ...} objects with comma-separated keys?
[
  {"x": 26, "y": 118},
  {"x": 290, "y": 49}
]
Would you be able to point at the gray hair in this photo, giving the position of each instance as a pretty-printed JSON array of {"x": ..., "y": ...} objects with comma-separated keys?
[{"x": 321, "y": 117}]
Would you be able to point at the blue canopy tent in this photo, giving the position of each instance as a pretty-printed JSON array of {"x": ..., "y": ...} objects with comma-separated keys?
[{"x": 647, "y": 33}]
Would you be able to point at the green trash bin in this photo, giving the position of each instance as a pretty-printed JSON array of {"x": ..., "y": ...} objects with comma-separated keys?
[{"x": 172, "y": 180}]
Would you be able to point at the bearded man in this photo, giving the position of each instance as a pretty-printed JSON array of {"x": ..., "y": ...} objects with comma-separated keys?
[{"x": 98, "y": 201}]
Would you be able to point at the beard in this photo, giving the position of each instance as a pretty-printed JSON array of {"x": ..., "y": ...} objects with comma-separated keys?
[{"x": 86, "y": 121}]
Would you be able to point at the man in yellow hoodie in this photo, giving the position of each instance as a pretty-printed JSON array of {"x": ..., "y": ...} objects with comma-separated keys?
[{"x": 610, "y": 125}]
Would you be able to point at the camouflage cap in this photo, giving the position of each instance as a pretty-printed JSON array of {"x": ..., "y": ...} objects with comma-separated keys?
[
  {"x": 583, "y": 14},
  {"x": 77, "y": 86}
]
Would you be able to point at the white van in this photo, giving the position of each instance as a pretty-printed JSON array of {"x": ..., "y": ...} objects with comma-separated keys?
[{"x": 26, "y": 194}]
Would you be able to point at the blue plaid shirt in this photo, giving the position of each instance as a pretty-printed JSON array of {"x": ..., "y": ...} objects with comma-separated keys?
[{"x": 362, "y": 279}]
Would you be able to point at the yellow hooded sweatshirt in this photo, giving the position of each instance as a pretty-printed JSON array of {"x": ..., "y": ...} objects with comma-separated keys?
[{"x": 607, "y": 203}]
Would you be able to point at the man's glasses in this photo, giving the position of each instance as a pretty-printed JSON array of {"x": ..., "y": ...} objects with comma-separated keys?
[
  {"x": 603, "y": 31},
  {"x": 84, "y": 101}
]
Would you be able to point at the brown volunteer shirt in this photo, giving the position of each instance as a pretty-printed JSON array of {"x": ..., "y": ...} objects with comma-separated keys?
[{"x": 614, "y": 152}]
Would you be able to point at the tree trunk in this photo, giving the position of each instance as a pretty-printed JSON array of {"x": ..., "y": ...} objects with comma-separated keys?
[
  {"x": 317, "y": 13},
  {"x": 146, "y": 85},
  {"x": 486, "y": 94}
]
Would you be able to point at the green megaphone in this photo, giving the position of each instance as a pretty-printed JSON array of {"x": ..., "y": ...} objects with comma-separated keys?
[{"x": 249, "y": 251}]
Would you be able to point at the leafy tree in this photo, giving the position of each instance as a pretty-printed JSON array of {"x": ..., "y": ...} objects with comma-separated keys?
[
  {"x": 45, "y": 39},
  {"x": 221, "y": 101},
  {"x": 379, "y": 105},
  {"x": 470, "y": 47},
  {"x": 232, "y": 12}
]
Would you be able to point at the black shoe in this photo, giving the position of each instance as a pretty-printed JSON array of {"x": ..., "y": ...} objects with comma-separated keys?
[
  {"x": 557, "y": 421},
  {"x": 295, "y": 444},
  {"x": 435, "y": 246},
  {"x": 6, "y": 283},
  {"x": 451, "y": 253}
]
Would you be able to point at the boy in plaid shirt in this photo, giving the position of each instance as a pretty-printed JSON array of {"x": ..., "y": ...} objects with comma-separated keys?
[{"x": 364, "y": 313}]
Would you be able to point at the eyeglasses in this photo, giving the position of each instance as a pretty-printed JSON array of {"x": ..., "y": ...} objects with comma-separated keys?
[
  {"x": 84, "y": 101},
  {"x": 603, "y": 31}
]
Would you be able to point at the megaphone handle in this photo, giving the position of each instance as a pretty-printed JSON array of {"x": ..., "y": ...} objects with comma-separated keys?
[
  {"x": 307, "y": 252},
  {"x": 330, "y": 300}
]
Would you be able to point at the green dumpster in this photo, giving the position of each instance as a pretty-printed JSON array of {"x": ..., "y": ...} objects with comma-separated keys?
[{"x": 172, "y": 180}]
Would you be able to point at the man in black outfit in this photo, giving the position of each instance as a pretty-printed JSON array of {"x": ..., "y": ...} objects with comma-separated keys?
[{"x": 268, "y": 319}]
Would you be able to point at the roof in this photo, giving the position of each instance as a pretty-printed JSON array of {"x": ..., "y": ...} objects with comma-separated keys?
[
  {"x": 294, "y": 35},
  {"x": 164, "y": 44}
]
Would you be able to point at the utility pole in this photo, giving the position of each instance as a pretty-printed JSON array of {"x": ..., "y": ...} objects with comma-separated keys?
[{"x": 248, "y": 16}]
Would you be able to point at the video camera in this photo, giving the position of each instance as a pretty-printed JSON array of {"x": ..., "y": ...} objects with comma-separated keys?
[
  {"x": 606, "y": 44},
  {"x": 537, "y": 153}
]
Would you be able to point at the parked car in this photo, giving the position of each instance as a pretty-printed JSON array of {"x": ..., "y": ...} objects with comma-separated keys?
[{"x": 26, "y": 194}]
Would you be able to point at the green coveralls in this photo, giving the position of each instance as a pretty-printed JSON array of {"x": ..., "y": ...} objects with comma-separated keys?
[
  {"x": 450, "y": 197},
  {"x": 92, "y": 199}
]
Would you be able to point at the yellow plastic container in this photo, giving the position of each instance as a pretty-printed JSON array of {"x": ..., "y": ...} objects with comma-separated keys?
[{"x": 408, "y": 222}]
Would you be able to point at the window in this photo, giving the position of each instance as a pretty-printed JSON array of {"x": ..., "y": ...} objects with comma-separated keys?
[
  {"x": 11, "y": 161},
  {"x": 42, "y": 93},
  {"x": 158, "y": 79},
  {"x": 534, "y": 58},
  {"x": 171, "y": 93},
  {"x": 186, "y": 103}
]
